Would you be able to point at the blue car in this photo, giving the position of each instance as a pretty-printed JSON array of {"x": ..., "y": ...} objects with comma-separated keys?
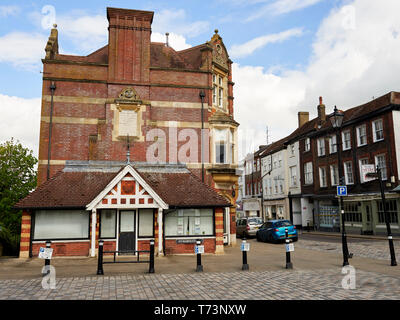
[{"x": 274, "y": 231}]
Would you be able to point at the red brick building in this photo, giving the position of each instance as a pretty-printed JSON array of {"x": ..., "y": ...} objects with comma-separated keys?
[
  {"x": 161, "y": 103},
  {"x": 369, "y": 135}
]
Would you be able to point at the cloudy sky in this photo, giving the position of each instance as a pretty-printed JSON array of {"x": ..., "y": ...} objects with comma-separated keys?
[{"x": 286, "y": 54}]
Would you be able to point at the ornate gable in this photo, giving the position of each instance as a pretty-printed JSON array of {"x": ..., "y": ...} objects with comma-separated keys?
[
  {"x": 220, "y": 54},
  {"x": 127, "y": 190}
]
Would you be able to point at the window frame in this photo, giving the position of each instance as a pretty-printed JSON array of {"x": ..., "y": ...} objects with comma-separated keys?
[
  {"x": 116, "y": 223},
  {"x": 321, "y": 185},
  {"x": 346, "y": 172},
  {"x": 138, "y": 226},
  {"x": 197, "y": 235},
  {"x": 359, "y": 136},
  {"x": 376, "y": 164},
  {"x": 344, "y": 140},
  {"x": 374, "y": 131},
  {"x": 321, "y": 147}
]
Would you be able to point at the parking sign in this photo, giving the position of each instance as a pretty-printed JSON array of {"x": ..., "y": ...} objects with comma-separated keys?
[{"x": 341, "y": 190}]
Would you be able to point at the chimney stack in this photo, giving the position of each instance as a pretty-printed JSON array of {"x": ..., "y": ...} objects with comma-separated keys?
[
  {"x": 303, "y": 117},
  {"x": 166, "y": 43},
  {"x": 321, "y": 111}
]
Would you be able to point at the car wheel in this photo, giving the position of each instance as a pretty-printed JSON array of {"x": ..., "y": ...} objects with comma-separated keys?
[{"x": 295, "y": 239}]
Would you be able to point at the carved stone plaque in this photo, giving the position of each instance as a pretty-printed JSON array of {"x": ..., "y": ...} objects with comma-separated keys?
[{"x": 128, "y": 123}]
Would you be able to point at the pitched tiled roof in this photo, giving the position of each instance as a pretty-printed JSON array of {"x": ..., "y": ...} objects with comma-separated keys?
[
  {"x": 183, "y": 189},
  {"x": 67, "y": 189},
  {"x": 78, "y": 189},
  {"x": 391, "y": 98}
]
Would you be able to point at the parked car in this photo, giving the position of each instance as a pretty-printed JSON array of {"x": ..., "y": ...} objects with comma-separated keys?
[
  {"x": 248, "y": 227},
  {"x": 274, "y": 231}
]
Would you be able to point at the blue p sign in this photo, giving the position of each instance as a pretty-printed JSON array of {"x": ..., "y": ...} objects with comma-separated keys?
[{"x": 341, "y": 190}]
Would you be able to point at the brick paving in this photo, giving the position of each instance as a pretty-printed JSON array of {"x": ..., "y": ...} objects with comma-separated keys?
[
  {"x": 368, "y": 249},
  {"x": 266, "y": 285}
]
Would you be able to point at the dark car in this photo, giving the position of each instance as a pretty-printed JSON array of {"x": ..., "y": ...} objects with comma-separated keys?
[{"x": 274, "y": 231}]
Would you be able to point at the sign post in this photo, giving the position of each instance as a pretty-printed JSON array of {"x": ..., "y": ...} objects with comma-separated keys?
[
  {"x": 199, "y": 249},
  {"x": 46, "y": 254}
]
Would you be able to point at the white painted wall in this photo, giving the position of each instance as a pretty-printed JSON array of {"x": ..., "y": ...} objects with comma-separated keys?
[
  {"x": 396, "y": 130},
  {"x": 306, "y": 212}
]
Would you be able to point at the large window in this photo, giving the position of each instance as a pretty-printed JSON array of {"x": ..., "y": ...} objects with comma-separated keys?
[
  {"x": 361, "y": 163},
  {"x": 61, "y": 224},
  {"x": 361, "y": 135},
  {"x": 308, "y": 174},
  {"x": 108, "y": 220},
  {"x": 189, "y": 222},
  {"x": 218, "y": 91},
  {"x": 346, "y": 137},
  {"x": 352, "y": 212},
  {"x": 348, "y": 172},
  {"x": 224, "y": 146},
  {"x": 293, "y": 176},
  {"x": 322, "y": 177},
  {"x": 332, "y": 144},
  {"x": 391, "y": 208},
  {"x": 380, "y": 161},
  {"x": 334, "y": 175},
  {"x": 307, "y": 144},
  {"x": 146, "y": 222},
  {"x": 321, "y": 146},
  {"x": 377, "y": 129}
]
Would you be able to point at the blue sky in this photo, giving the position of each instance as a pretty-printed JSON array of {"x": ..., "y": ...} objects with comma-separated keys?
[{"x": 286, "y": 53}]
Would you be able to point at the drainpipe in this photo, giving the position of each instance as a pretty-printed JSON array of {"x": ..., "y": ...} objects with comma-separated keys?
[
  {"x": 52, "y": 89},
  {"x": 202, "y": 95}
]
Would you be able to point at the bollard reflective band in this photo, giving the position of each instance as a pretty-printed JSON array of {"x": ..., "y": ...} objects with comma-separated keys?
[{"x": 390, "y": 237}]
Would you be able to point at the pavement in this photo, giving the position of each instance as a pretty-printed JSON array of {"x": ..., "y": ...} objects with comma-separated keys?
[{"x": 317, "y": 274}]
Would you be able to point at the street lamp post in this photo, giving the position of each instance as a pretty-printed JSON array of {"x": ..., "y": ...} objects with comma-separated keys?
[
  {"x": 337, "y": 119},
  {"x": 386, "y": 214}
]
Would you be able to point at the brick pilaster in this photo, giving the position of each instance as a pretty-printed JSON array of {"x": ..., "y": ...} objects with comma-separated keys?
[
  {"x": 25, "y": 234},
  {"x": 219, "y": 230}
]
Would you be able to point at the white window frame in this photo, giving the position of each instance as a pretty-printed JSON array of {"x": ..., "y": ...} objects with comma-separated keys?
[
  {"x": 321, "y": 147},
  {"x": 344, "y": 140},
  {"x": 307, "y": 144},
  {"x": 293, "y": 176},
  {"x": 360, "y": 163},
  {"x": 346, "y": 172},
  {"x": 308, "y": 173},
  {"x": 334, "y": 170},
  {"x": 359, "y": 144},
  {"x": 374, "y": 131},
  {"x": 322, "y": 177},
  {"x": 384, "y": 168},
  {"x": 332, "y": 146}
]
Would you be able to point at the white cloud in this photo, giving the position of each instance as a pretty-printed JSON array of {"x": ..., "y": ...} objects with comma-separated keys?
[
  {"x": 355, "y": 57},
  {"x": 6, "y": 11},
  {"x": 23, "y": 50},
  {"x": 175, "y": 21},
  {"x": 281, "y": 7},
  {"x": 175, "y": 41},
  {"x": 245, "y": 49},
  {"x": 87, "y": 33},
  {"x": 20, "y": 119}
]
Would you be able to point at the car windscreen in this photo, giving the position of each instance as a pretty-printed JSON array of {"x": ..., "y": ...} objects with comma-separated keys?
[
  {"x": 280, "y": 224},
  {"x": 255, "y": 221}
]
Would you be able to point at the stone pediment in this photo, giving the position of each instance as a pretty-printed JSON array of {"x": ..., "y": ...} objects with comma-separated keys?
[{"x": 128, "y": 96}]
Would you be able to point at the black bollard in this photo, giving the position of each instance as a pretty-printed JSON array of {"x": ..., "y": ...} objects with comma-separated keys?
[
  {"x": 100, "y": 260},
  {"x": 47, "y": 261},
  {"x": 151, "y": 266},
  {"x": 289, "y": 265},
  {"x": 308, "y": 226},
  {"x": 199, "y": 267},
  {"x": 245, "y": 265}
]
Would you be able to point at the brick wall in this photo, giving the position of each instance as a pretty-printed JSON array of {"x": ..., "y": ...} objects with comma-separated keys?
[{"x": 171, "y": 247}]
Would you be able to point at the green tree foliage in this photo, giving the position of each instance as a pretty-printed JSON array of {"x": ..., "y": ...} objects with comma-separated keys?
[{"x": 17, "y": 179}]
